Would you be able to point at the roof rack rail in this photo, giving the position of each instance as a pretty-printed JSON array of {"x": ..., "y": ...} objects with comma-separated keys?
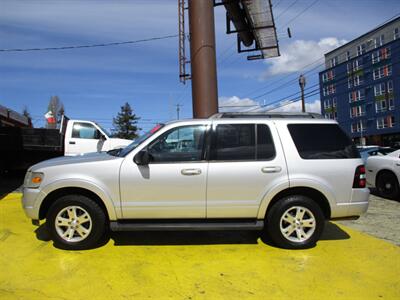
[{"x": 270, "y": 115}]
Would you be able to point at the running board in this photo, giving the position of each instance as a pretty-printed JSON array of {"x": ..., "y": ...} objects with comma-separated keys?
[{"x": 186, "y": 226}]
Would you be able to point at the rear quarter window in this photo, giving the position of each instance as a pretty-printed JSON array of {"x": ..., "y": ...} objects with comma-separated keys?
[{"x": 322, "y": 141}]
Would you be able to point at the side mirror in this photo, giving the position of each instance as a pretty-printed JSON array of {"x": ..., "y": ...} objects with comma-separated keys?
[
  {"x": 103, "y": 138},
  {"x": 142, "y": 158}
]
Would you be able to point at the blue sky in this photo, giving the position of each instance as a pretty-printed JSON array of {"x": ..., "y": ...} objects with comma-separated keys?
[{"x": 93, "y": 83}]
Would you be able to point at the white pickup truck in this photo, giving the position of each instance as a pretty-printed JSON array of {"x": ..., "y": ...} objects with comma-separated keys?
[
  {"x": 23, "y": 147},
  {"x": 82, "y": 136}
]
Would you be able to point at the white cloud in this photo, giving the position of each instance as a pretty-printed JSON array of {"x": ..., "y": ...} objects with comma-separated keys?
[
  {"x": 313, "y": 107},
  {"x": 295, "y": 56},
  {"x": 235, "y": 104}
]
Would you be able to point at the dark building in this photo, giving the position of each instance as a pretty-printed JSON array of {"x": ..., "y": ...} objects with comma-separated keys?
[
  {"x": 10, "y": 118},
  {"x": 360, "y": 86}
]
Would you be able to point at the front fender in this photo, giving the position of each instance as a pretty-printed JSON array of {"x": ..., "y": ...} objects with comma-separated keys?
[{"x": 79, "y": 183}]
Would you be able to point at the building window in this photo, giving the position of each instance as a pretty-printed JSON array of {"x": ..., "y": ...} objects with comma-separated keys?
[
  {"x": 333, "y": 62},
  {"x": 361, "y": 49},
  {"x": 327, "y": 76},
  {"x": 357, "y": 80},
  {"x": 382, "y": 72},
  {"x": 357, "y": 111},
  {"x": 350, "y": 82},
  {"x": 354, "y": 66},
  {"x": 379, "y": 41},
  {"x": 327, "y": 104},
  {"x": 356, "y": 96},
  {"x": 385, "y": 122},
  {"x": 391, "y": 104},
  {"x": 358, "y": 126},
  {"x": 390, "y": 86},
  {"x": 380, "y": 106},
  {"x": 380, "y": 54},
  {"x": 396, "y": 34},
  {"x": 331, "y": 115},
  {"x": 384, "y": 99},
  {"x": 329, "y": 89},
  {"x": 334, "y": 102},
  {"x": 379, "y": 89},
  {"x": 348, "y": 55}
]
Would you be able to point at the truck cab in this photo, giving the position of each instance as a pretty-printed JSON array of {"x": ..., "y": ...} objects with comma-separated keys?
[{"x": 83, "y": 136}]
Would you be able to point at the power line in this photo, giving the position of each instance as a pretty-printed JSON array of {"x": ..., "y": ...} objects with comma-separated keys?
[
  {"x": 90, "y": 46},
  {"x": 340, "y": 80},
  {"x": 299, "y": 14},
  {"x": 287, "y": 8}
]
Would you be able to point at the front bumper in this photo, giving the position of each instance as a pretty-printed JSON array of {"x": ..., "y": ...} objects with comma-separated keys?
[{"x": 31, "y": 200}]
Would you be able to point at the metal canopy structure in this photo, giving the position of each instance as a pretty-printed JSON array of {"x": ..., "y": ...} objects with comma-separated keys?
[{"x": 254, "y": 24}]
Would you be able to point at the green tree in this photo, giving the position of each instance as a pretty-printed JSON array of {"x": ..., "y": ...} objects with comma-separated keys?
[{"x": 125, "y": 123}]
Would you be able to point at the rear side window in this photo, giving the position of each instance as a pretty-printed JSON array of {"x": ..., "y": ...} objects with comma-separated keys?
[
  {"x": 242, "y": 142},
  {"x": 322, "y": 141}
]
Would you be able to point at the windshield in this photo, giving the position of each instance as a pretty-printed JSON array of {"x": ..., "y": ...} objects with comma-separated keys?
[
  {"x": 102, "y": 129},
  {"x": 139, "y": 140}
]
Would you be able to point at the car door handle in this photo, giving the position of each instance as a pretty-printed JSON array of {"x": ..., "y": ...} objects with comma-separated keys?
[
  {"x": 72, "y": 143},
  {"x": 397, "y": 164},
  {"x": 191, "y": 172},
  {"x": 271, "y": 169}
]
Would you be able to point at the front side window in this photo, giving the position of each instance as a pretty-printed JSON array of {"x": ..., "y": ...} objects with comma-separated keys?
[
  {"x": 242, "y": 142},
  {"x": 182, "y": 144},
  {"x": 82, "y": 130}
]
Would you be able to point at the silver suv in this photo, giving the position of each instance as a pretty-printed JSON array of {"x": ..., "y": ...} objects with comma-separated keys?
[{"x": 282, "y": 174}]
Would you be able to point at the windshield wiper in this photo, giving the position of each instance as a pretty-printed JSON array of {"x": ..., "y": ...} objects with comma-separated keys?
[{"x": 114, "y": 152}]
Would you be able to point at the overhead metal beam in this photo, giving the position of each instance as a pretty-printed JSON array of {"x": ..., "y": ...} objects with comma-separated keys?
[{"x": 237, "y": 15}]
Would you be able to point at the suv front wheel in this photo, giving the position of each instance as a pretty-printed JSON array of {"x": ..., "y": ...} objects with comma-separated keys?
[
  {"x": 76, "y": 222},
  {"x": 295, "y": 222}
]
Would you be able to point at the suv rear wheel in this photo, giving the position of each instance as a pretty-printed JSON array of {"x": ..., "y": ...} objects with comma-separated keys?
[
  {"x": 76, "y": 222},
  {"x": 295, "y": 222}
]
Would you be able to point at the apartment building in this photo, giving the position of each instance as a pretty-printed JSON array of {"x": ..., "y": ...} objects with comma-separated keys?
[{"x": 360, "y": 86}]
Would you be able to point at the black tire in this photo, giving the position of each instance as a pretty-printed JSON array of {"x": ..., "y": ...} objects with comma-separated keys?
[
  {"x": 286, "y": 206},
  {"x": 387, "y": 185},
  {"x": 90, "y": 226}
]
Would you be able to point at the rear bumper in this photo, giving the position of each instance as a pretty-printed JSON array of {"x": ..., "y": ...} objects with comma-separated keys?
[{"x": 357, "y": 207}]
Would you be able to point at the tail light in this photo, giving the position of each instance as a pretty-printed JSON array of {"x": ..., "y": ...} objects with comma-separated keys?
[{"x": 359, "y": 178}]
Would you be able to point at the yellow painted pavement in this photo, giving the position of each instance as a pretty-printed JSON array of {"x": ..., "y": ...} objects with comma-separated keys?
[{"x": 346, "y": 264}]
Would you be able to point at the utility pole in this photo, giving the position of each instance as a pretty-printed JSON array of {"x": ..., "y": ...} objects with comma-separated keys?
[
  {"x": 202, "y": 58},
  {"x": 302, "y": 83},
  {"x": 178, "y": 108}
]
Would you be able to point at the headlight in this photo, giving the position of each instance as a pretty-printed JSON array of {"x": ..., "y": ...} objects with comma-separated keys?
[{"x": 33, "y": 179}]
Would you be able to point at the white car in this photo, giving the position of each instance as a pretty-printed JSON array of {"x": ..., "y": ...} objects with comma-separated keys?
[{"x": 383, "y": 172}]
